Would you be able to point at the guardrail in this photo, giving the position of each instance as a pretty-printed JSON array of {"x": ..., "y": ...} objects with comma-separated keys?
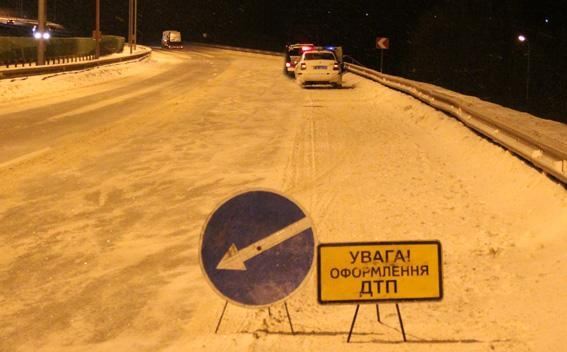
[
  {"x": 544, "y": 153},
  {"x": 48, "y": 61},
  {"x": 64, "y": 64}
]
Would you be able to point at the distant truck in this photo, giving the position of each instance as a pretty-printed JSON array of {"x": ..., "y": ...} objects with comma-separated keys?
[{"x": 171, "y": 40}]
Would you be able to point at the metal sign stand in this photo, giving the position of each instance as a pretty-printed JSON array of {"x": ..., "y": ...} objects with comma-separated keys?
[
  {"x": 221, "y": 316},
  {"x": 289, "y": 319},
  {"x": 378, "y": 317},
  {"x": 401, "y": 322},
  {"x": 269, "y": 313}
]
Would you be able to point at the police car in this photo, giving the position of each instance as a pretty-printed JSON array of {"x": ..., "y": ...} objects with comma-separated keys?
[{"x": 319, "y": 66}]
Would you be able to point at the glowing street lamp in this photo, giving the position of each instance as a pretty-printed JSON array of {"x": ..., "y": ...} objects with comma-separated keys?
[{"x": 523, "y": 39}]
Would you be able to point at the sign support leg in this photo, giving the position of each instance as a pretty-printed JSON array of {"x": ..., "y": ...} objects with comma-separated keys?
[
  {"x": 222, "y": 315},
  {"x": 352, "y": 324},
  {"x": 401, "y": 322},
  {"x": 289, "y": 319},
  {"x": 378, "y": 313}
]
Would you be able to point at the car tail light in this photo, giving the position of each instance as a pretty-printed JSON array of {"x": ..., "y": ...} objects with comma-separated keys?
[
  {"x": 336, "y": 67},
  {"x": 288, "y": 64},
  {"x": 303, "y": 65}
]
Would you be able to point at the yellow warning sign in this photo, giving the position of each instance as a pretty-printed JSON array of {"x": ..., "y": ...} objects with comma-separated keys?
[{"x": 379, "y": 271}]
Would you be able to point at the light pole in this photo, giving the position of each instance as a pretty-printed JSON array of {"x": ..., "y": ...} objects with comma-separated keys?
[
  {"x": 135, "y": 32},
  {"x": 130, "y": 23},
  {"x": 97, "y": 29},
  {"x": 41, "y": 19},
  {"x": 523, "y": 39}
]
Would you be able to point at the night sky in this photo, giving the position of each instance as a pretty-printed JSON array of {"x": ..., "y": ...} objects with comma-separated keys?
[{"x": 467, "y": 45}]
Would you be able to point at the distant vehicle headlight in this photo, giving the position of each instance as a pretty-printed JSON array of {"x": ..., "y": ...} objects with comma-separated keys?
[{"x": 39, "y": 35}]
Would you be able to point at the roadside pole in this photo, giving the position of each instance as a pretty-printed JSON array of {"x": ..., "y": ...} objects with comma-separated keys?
[
  {"x": 382, "y": 43},
  {"x": 97, "y": 30},
  {"x": 130, "y": 22},
  {"x": 135, "y": 16},
  {"x": 41, "y": 18}
]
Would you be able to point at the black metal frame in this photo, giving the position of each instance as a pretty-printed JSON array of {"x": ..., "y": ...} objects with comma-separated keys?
[
  {"x": 378, "y": 317},
  {"x": 269, "y": 313}
]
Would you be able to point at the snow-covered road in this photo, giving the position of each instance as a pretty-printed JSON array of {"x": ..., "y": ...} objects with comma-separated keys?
[{"x": 107, "y": 178}]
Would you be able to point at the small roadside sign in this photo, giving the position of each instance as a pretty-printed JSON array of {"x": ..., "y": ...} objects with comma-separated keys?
[
  {"x": 257, "y": 248},
  {"x": 372, "y": 272},
  {"x": 382, "y": 43}
]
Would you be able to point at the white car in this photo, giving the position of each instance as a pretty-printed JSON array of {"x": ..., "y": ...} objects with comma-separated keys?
[{"x": 319, "y": 67}]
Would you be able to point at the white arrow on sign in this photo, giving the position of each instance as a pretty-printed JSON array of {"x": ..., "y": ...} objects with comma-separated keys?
[
  {"x": 382, "y": 43},
  {"x": 234, "y": 258}
]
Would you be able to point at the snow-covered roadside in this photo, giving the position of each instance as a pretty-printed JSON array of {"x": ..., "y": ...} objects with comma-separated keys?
[
  {"x": 541, "y": 141},
  {"x": 528, "y": 123},
  {"x": 100, "y": 239},
  {"x": 19, "y": 94}
]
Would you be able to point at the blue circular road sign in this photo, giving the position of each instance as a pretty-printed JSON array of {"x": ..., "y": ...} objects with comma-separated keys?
[{"x": 257, "y": 248}]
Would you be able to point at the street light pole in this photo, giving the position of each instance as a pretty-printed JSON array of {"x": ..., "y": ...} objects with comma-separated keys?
[
  {"x": 135, "y": 34},
  {"x": 130, "y": 22},
  {"x": 97, "y": 29},
  {"x": 41, "y": 19}
]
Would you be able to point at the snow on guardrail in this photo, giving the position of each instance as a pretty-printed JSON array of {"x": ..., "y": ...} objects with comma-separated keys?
[
  {"x": 541, "y": 142},
  {"x": 15, "y": 72}
]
